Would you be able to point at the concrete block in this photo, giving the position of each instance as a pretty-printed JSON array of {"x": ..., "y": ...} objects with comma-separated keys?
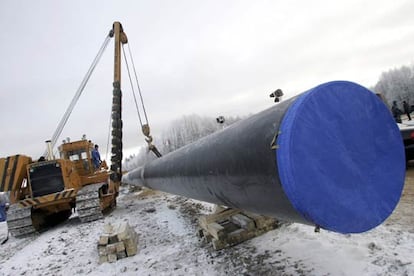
[
  {"x": 108, "y": 229},
  {"x": 102, "y": 250},
  {"x": 112, "y": 258},
  {"x": 121, "y": 255},
  {"x": 111, "y": 249},
  {"x": 120, "y": 246},
  {"x": 103, "y": 240},
  {"x": 123, "y": 231},
  {"x": 131, "y": 246},
  {"x": 103, "y": 259}
]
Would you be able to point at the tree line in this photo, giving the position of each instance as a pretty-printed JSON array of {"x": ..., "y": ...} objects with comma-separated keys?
[
  {"x": 397, "y": 85},
  {"x": 181, "y": 132},
  {"x": 394, "y": 85}
]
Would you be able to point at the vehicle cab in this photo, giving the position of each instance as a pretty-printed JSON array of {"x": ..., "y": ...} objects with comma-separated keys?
[{"x": 79, "y": 152}]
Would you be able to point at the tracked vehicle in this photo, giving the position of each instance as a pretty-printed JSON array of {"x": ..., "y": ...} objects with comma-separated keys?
[{"x": 47, "y": 191}]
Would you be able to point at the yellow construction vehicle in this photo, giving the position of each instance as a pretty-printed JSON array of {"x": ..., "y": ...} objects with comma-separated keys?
[{"x": 46, "y": 191}]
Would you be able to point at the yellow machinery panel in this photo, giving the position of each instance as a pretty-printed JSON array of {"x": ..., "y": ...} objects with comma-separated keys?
[{"x": 12, "y": 173}]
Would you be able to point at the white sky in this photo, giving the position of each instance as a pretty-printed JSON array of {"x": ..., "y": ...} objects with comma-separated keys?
[{"x": 193, "y": 57}]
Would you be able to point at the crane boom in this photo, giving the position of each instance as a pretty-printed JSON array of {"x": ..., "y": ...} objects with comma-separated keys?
[{"x": 78, "y": 93}]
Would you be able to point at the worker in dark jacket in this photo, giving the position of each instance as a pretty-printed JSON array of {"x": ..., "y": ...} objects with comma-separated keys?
[
  {"x": 396, "y": 112},
  {"x": 4, "y": 231},
  {"x": 407, "y": 110},
  {"x": 96, "y": 157},
  {"x": 3, "y": 206}
]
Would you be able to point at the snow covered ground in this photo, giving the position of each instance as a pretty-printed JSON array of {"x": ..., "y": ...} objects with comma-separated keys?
[{"x": 168, "y": 245}]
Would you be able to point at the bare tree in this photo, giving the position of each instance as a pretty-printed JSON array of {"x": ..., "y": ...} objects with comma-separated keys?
[
  {"x": 397, "y": 85},
  {"x": 181, "y": 132}
]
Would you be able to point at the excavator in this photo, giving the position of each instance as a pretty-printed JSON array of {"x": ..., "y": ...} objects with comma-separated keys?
[{"x": 46, "y": 191}]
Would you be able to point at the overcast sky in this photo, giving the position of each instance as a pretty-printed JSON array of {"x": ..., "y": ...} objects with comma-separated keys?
[{"x": 193, "y": 57}]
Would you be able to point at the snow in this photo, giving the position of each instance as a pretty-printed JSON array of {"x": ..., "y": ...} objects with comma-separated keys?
[
  {"x": 168, "y": 245},
  {"x": 406, "y": 125}
]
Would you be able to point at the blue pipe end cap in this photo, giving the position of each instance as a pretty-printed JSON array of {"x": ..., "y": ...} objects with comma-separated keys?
[{"x": 341, "y": 157}]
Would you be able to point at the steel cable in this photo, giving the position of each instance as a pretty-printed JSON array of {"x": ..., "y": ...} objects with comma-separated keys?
[
  {"x": 139, "y": 88},
  {"x": 78, "y": 93},
  {"x": 132, "y": 86}
]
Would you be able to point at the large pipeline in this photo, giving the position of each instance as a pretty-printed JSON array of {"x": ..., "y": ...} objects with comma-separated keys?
[{"x": 332, "y": 157}]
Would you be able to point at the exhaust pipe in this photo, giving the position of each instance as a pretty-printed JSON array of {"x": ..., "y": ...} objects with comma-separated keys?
[{"x": 49, "y": 149}]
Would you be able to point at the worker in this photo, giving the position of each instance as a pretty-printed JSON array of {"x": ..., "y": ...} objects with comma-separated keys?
[
  {"x": 4, "y": 232},
  {"x": 407, "y": 110},
  {"x": 3, "y": 206},
  {"x": 396, "y": 112},
  {"x": 96, "y": 157}
]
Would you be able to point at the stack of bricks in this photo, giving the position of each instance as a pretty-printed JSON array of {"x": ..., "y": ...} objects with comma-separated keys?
[{"x": 117, "y": 242}]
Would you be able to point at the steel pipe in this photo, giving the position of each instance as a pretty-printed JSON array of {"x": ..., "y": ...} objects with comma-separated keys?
[{"x": 331, "y": 157}]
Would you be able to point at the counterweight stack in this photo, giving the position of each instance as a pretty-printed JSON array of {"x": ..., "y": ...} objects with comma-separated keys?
[
  {"x": 331, "y": 157},
  {"x": 116, "y": 158}
]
